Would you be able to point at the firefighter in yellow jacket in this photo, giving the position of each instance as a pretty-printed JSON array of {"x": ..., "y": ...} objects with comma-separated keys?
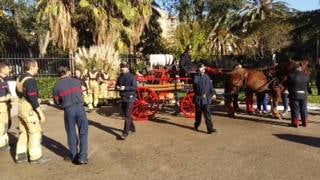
[
  {"x": 4, "y": 107},
  {"x": 93, "y": 89},
  {"x": 30, "y": 116}
]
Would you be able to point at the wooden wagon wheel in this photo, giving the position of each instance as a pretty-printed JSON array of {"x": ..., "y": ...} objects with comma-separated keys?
[
  {"x": 146, "y": 105},
  {"x": 187, "y": 106}
]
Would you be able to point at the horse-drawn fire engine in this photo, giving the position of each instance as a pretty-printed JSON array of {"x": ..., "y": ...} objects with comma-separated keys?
[{"x": 163, "y": 87}]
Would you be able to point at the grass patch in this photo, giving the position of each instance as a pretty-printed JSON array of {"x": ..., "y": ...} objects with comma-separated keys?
[{"x": 314, "y": 98}]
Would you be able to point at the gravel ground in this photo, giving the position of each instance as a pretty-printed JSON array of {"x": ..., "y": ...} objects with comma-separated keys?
[{"x": 247, "y": 147}]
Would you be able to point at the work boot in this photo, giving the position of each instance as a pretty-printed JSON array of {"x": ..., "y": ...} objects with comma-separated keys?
[
  {"x": 81, "y": 162},
  {"x": 304, "y": 122},
  {"x": 124, "y": 136},
  {"x": 212, "y": 131},
  {"x": 22, "y": 158},
  {"x": 295, "y": 123},
  {"x": 41, "y": 160}
]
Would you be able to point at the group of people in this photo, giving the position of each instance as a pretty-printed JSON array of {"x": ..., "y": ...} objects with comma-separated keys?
[
  {"x": 297, "y": 87},
  {"x": 94, "y": 84},
  {"x": 68, "y": 95}
]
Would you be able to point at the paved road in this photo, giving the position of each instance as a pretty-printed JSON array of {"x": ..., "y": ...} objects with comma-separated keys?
[{"x": 249, "y": 147}]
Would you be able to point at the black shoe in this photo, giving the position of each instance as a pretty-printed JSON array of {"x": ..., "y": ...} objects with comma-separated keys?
[
  {"x": 212, "y": 131},
  {"x": 132, "y": 132},
  {"x": 81, "y": 162},
  {"x": 124, "y": 136},
  {"x": 196, "y": 128},
  {"x": 41, "y": 160}
]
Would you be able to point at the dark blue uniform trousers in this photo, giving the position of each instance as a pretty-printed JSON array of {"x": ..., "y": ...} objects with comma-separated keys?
[
  {"x": 75, "y": 115},
  {"x": 207, "y": 116},
  {"x": 299, "y": 107},
  {"x": 127, "y": 108}
]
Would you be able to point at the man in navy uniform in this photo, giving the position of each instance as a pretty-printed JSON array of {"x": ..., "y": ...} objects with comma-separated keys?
[
  {"x": 204, "y": 93},
  {"x": 298, "y": 84},
  {"x": 185, "y": 63},
  {"x": 127, "y": 85},
  {"x": 68, "y": 94},
  {"x": 5, "y": 107}
]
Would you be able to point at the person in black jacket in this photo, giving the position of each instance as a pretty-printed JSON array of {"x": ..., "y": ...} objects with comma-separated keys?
[
  {"x": 127, "y": 85},
  {"x": 204, "y": 93},
  {"x": 68, "y": 94},
  {"x": 5, "y": 107},
  {"x": 185, "y": 63},
  {"x": 298, "y": 84}
]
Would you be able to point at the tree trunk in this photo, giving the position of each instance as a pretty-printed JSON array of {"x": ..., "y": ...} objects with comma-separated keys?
[{"x": 43, "y": 43}]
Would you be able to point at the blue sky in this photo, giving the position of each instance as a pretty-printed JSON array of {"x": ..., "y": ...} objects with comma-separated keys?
[{"x": 301, "y": 5}]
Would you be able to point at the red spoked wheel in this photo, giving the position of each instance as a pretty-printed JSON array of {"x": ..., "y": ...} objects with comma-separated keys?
[
  {"x": 146, "y": 105},
  {"x": 187, "y": 106}
]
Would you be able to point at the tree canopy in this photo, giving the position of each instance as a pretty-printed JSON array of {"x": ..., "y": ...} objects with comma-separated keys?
[{"x": 252, "y": 28}]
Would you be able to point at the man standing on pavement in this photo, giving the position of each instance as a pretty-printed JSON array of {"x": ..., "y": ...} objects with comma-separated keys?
[
  {"x": 68, "y": 94},
  {"x": 298, "y": 84},
  {"x": 30, "y": 116},
  {"x": 5, "y": 107},
  {"x": 127, "y": 85},
  {"x": 204, "y": 93}
]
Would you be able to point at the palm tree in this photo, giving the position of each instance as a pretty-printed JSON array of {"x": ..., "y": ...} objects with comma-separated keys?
[
  {"x": 259, "y": 10},
  {"x": 56, "y": 14},
  {"x": 222, "y": 40},
  {"x": 118, "y": 22}
]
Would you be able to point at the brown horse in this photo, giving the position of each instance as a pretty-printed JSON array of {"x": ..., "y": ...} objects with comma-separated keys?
[{"x": 256, "y": 81}]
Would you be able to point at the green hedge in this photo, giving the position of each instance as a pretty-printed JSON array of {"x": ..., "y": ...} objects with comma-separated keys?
[{"x": 45, "y": 86}]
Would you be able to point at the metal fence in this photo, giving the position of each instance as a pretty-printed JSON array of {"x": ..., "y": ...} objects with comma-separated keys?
[
  {"x": 228, "y": 62},
  {"x": 48, "y": 66}
]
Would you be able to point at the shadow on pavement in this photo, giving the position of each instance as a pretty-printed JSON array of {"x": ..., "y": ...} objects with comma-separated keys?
[
  {"x": 114, "y": 111},
  {"x": 54, "y": 146},
  {"x": 47, "y": 142},
  {"x": 307, "y": 140},
  {"x": 107, "y": 129},
  {"x": 255, "y": 119},
  {"x": 165, "y": 121}
]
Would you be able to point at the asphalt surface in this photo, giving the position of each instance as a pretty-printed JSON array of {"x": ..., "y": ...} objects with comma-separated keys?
[{"x": 247, "y": 147}]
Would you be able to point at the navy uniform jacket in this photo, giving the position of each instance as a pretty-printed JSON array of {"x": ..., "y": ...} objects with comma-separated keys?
[
  {"x": 203, "y": 89},
  {"x": 185, "y": 62},
  {"x": 129, "y": 81},
  {"x": 4, "y": 88},
  {"x": 298, "y": 83},
  {"x": 67, "y": 92},
  {"x": 30, "y": 90}
]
